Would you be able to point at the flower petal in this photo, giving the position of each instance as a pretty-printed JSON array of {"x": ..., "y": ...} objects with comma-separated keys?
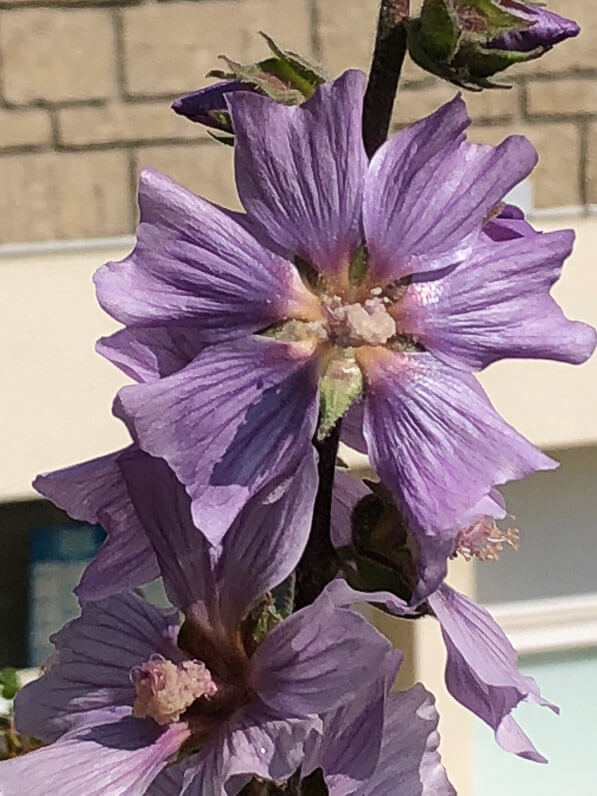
[
  {"x": 95, "y": 492},
  {"x": 410, "y": 755},
  {"x": 304, "y": 664},
  {"x": 197, "y": 105},
  {"x": 164, "y": 510},
  {"x": 300, "y": 170},
  {"x": 347, "y": 750},
  {"x": 436, "y": 441},
  {"x": 428, "y": 192},
  {"x": 193, "y": 263},
  {"x": 262, "y": 547},
  {"x": 482, "y": 671},
  {"x": 252, "y": 743},
  {"x": 89, "y": 672},
  {"x": 119, "y": 756},
  {"x": 497, "y": 305},
  {"x": 202, "y": 418},
  {"x": 147, "y": 353}
]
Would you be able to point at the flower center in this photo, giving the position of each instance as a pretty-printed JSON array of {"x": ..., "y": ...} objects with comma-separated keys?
[
  {"x": 165, "y": 689},
  {"x": 484, "y": 540},
  {"x": 366, "y": 323}
]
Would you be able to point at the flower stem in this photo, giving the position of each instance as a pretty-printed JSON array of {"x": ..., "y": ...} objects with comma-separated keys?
[
  {"x": 319, "y": 563},
  {"x": 388, "y": 57}
]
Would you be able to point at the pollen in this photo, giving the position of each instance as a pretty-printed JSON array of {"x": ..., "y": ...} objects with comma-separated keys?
[
  {"x": 166, "y": 689},
  {"x": 484, "y": 540},
  {"x": 367, "y": 323}
]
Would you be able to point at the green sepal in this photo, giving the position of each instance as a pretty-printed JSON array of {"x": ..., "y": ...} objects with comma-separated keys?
[
  {"x": 438, "y": 28},
  {"x": 302, "y": 74},
  {"x": 340, "y": 387}
]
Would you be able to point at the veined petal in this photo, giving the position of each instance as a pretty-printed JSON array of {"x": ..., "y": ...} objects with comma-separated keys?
[
  {"x": 409, "y": 760},
  {"x": 119, "y": 756},
  {"x": 95, "y": 492},
  {"x": 482, "y": 671},
  {"x": 193, "y": 263},
  {"x": 435, "y": 440},
  {"x": 202, "y": 419},
  {"x": 164, "y": 510},
  {"x": 497, "y": 304},
  {"x": 147, "y": 353},
  {"x": 428, "y": 192},
  {"x": 264, "y": 545},
  {"x": 88, "y": 675},
  {"x": 253, "y": 743},
  {"x": 304, "y": 664},
  {"x": 348, "y": 748},
  {"x": 303, "y": 185}
]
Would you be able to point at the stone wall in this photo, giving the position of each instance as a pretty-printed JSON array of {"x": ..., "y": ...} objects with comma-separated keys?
[{"x": 85, "y": 88}]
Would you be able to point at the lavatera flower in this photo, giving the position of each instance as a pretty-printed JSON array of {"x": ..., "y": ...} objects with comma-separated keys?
[
  {"x": 373, "y": 288},
  {"x": 403, "y": 572},
  {"x": 228, "y": 694}
]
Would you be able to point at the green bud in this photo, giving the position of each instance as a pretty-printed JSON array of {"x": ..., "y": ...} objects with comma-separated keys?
[{"x": 453, "y": 39}]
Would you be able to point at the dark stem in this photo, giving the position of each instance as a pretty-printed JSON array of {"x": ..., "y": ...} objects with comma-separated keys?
[
  {"x": 319, "y": 563},
  {"x": 388, "y": 57}
]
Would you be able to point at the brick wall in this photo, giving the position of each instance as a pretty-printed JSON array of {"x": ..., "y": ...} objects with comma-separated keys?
[{"x": 85, "y": 88}]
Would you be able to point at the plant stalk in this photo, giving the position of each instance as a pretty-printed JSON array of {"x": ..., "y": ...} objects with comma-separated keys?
[{"x": 386, "y": 65}]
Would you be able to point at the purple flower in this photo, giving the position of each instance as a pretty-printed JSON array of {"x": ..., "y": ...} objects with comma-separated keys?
[
  {"x": 129, "y": 688},
  {"x": 409, "y": 761},
  {"x": 344, "y": 276},
  {"x": 545, "y": 29},
  {"x": 481, "y": 669}
]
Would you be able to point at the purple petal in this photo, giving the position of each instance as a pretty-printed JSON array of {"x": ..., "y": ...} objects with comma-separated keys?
[
  {"x": 436, "y": 441},
  {"x": 89, "y": 671},
  {"x": 497, "y": 304},
  {"x": 164, "y": 510},
  {"x": 351, "y": 430},
  {"x": 95, "y": 492},
  {"x": 428, "y": 192},
  {"x": 304, "y": 664},
  {"x": 348, "y": 748},
  {"x": 253, "y": 742},
  {"x": 193, "y": 263},
  {"x": 117, "y": 757},
  {"x": 410, "y": 761},
  {"x": 347, "y": 492},
  {"x": 547, "y": 29},
  {"x": 255, "y": 392},
  {"x": 147, "y": 353},
  {"x": 197, "y": 105},
  {"x": 482, "y": 671},
  {"x": 264, "y": 545},
  {"x": 303, "y": 184},
  {"x": 509, "y": 224}
]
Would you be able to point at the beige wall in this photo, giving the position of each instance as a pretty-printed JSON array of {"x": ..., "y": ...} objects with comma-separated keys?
[{"x": 85, "y": 89}]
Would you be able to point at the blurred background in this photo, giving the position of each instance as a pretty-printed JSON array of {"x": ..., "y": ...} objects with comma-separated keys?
[{"x": 85, "y": 89}]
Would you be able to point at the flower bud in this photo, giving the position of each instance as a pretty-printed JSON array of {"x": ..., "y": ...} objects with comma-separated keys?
[
  {"x": 468, "y": 41},
  {"x": 285, "y": 77}
]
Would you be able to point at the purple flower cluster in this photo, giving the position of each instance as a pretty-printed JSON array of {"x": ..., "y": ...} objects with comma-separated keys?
[{"x": 353, "y": 290}]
